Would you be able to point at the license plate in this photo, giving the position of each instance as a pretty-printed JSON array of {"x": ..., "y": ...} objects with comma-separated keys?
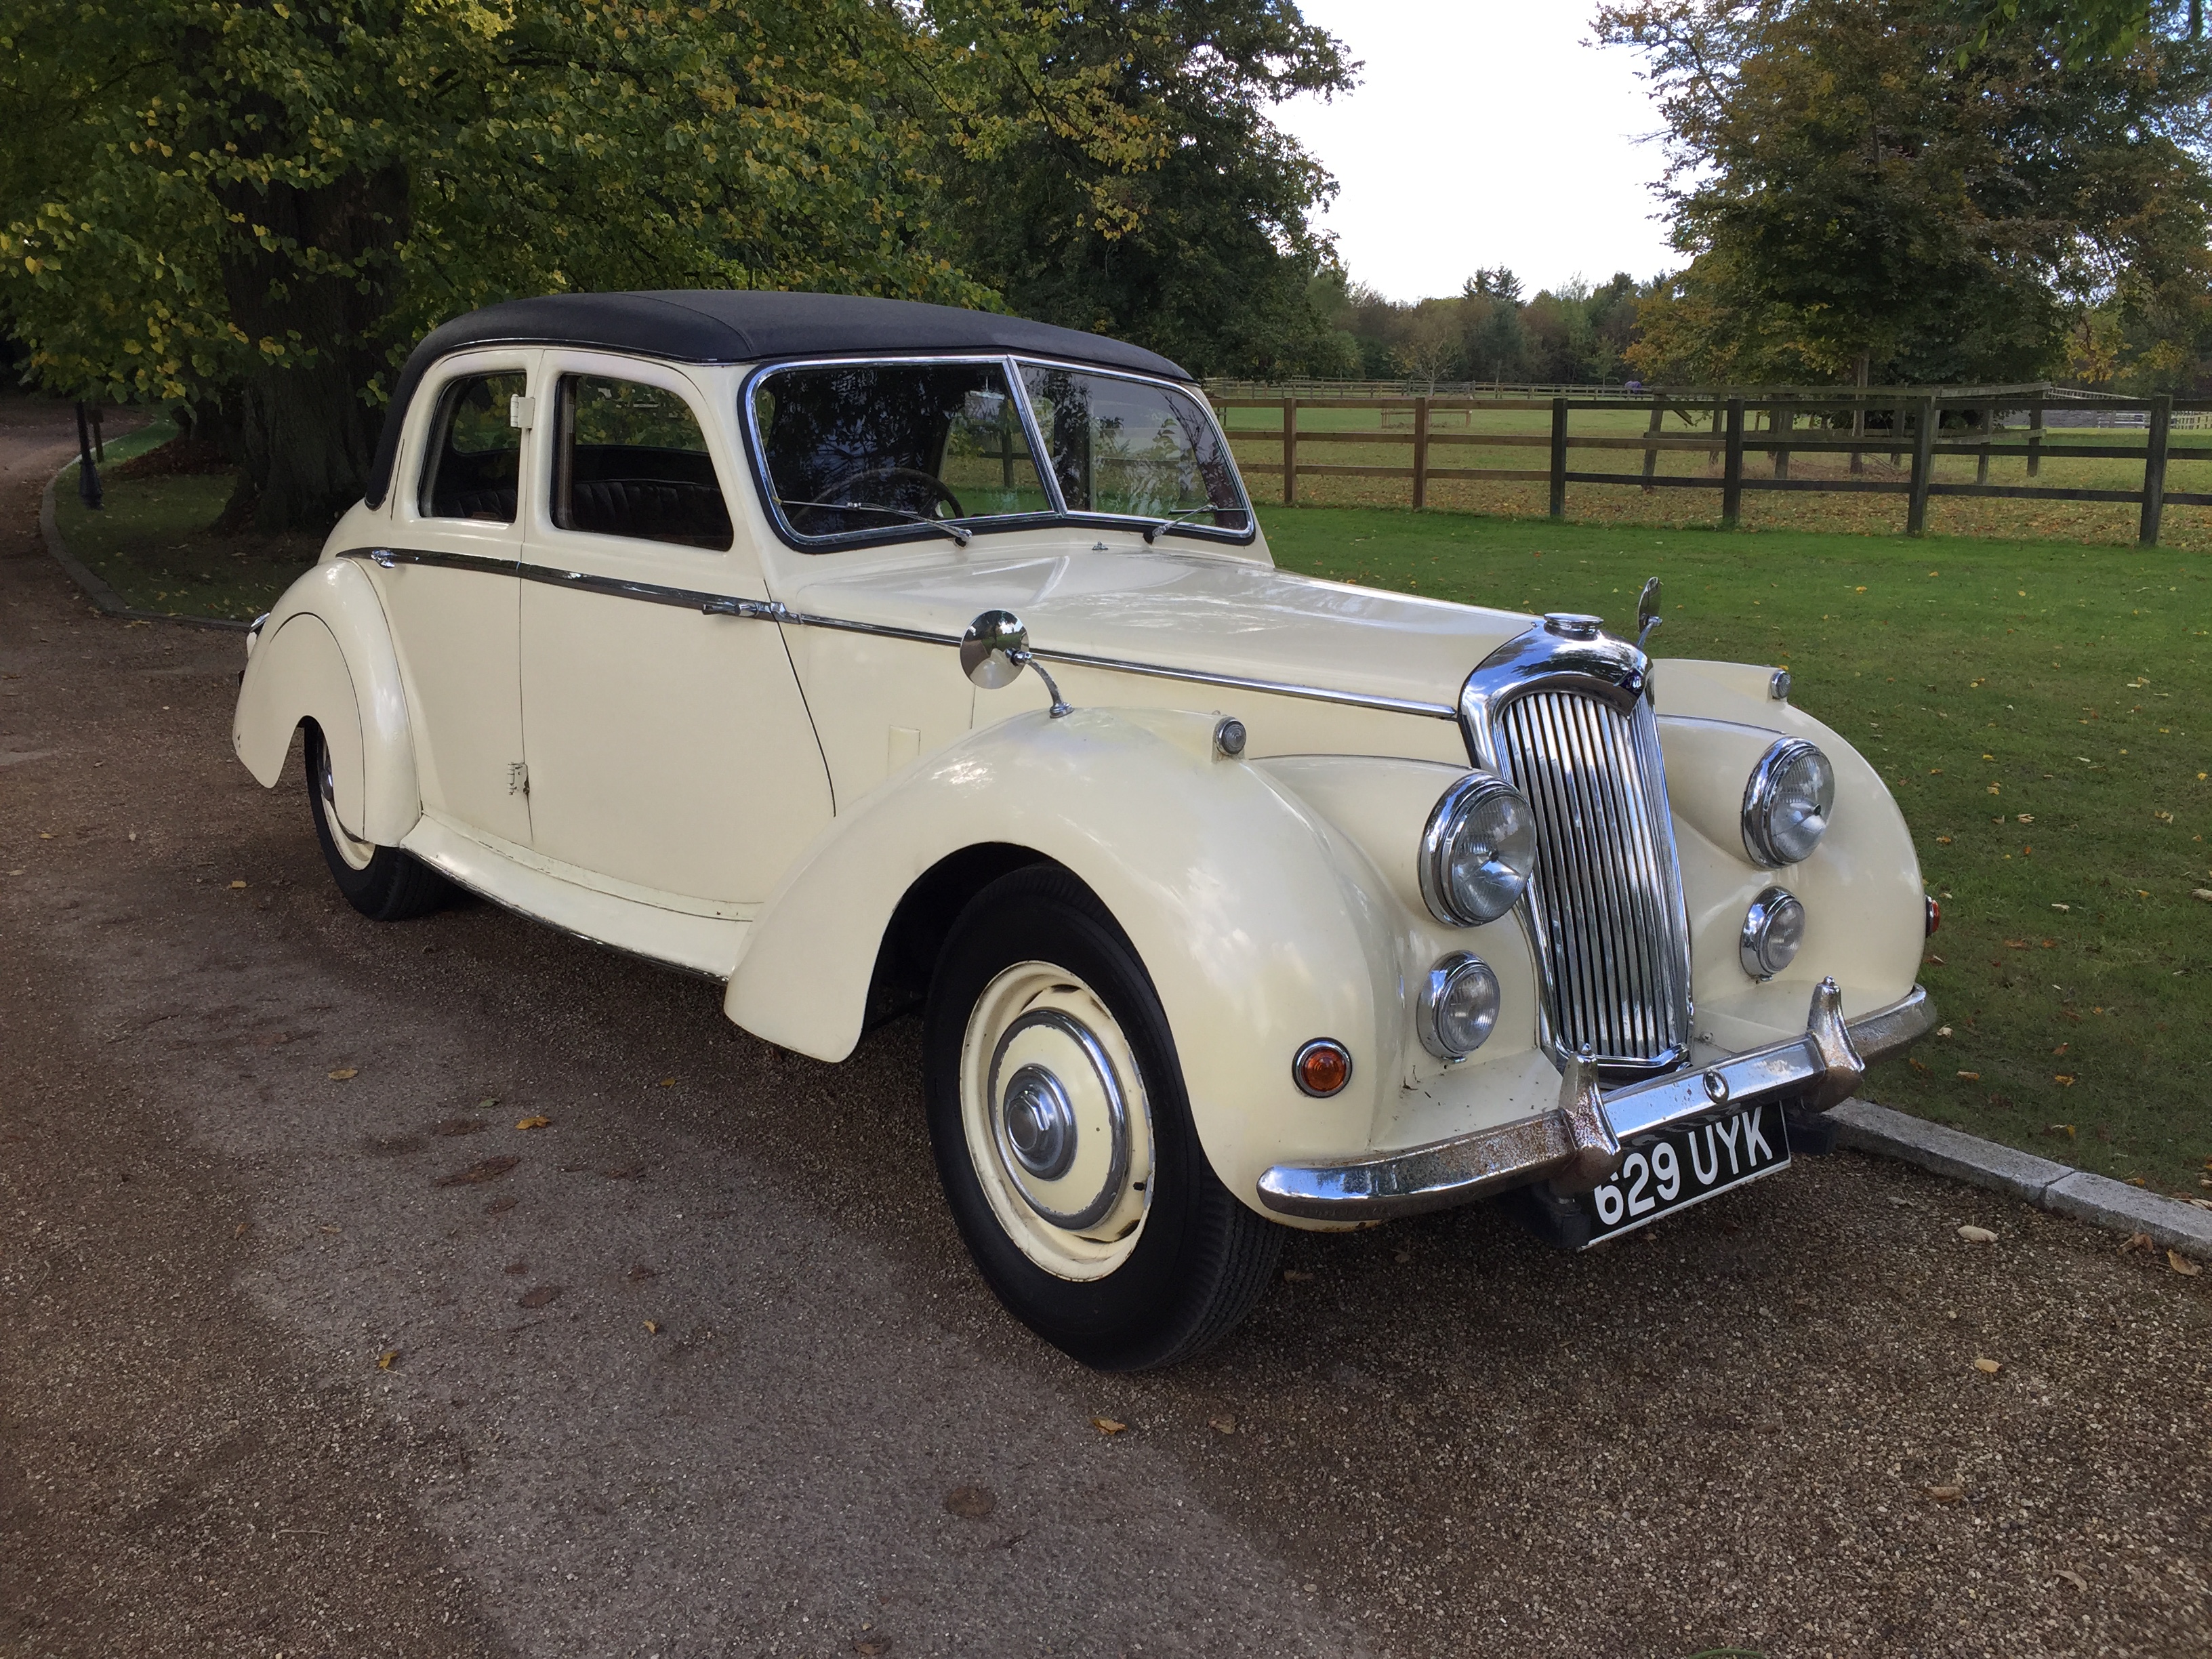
[{"x": 1671, "y": 1169}]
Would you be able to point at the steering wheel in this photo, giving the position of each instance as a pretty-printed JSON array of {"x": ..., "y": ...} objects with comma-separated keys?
[{"x": 911, "y": 488}]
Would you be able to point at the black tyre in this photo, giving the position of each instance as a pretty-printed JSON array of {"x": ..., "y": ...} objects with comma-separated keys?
[
  {"x": 1064, "y": 1138},
  {"x": 383, "y": 883}
]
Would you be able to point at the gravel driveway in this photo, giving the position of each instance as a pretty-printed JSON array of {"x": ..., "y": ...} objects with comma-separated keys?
[{"x": 305, "y": 1349}]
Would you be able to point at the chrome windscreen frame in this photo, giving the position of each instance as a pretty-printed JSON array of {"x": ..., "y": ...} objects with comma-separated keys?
[
  {"x": 1580, "y": 658},
  {"x": 1040, "y": 457}
]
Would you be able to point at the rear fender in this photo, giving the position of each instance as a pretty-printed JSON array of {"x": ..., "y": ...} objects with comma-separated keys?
[
  {"x": 325, "y": 654},
  {"x": 1259, "y": 933}
]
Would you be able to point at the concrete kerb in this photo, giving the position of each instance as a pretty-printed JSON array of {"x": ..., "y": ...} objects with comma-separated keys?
[
  {"x": 2174, "y": 1224},
  {"x": 109, "y": 602}
]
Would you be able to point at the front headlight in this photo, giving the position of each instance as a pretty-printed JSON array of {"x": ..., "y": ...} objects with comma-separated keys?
[
  {"x": 1773, "y": 928},
  {"x": 1478, "y": 851},
  {"x": 1787, "y": 802}
]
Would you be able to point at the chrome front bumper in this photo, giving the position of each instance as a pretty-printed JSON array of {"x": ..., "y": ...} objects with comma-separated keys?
[{"x": 1578, "y": 1142}]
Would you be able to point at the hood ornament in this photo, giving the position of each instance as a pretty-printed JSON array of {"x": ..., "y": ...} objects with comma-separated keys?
[{"x": 996, "y": 649}]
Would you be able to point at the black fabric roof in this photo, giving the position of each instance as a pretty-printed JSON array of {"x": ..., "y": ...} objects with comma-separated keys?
[{"x": 735, "y": 325}]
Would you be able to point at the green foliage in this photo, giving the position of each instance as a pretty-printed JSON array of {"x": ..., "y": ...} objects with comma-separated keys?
[
  {"x": 1575, "y": 335},
  {"x": 253, "y": 208},
  {"x": 1154, "y": 198},
  {"x": 1917, "y": 190}
]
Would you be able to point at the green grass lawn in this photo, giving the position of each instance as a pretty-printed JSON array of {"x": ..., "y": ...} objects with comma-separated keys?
[
  {"x": 2042, "y": 710},
  {"x": 151, "y": 540}
]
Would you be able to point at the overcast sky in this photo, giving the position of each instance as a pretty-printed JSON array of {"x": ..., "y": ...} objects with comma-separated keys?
[{"x": 1484, "y": 133}]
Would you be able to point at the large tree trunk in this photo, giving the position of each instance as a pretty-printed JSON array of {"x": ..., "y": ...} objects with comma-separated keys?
[{"x": 306, "y": 435}]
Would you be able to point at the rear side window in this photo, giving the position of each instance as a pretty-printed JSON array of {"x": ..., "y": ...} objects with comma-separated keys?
[
  {"x": 471, "y": 468},
  {"x": 853, "y": 447},
  {"x": 630, "y": 460}
]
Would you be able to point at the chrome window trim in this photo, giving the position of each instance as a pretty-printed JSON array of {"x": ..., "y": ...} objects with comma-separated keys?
[
  {"x": 726, "y": 604},
  {"x": 1040, "y": 458}
]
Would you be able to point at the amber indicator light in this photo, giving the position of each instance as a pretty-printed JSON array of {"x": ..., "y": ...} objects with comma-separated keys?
[{"x": 1323, "y": 1068}]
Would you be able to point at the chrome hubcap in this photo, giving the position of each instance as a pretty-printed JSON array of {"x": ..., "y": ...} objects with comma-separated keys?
[{"x": 1057, "y": 1125}]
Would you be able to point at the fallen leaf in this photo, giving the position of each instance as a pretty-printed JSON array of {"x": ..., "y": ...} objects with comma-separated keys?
[
  {"x": 532, "y": 1123},
  {"x": 627, "y": 1172},
  {"x": 1107, "y": 1425},
  {"x": 516, "y": 1268},
  {"x": 2064, "y": 1081},
  {"x": 1987, "y": 1367},
  {"x": 489, "y": 1169},
  {"x": 2066, "y": 1129},
  {"x": 1222, "y": 1425},
  {"x": 2016, "y": 945},
  {"x": 2063, "y": 907},
  {"x": 2143, "y": 1241},
  {"x": 1972, "y": 1077},
  {"x": 668, "y": 1082},
  {"x": 1901, "y": 1201},
  {"x": 970, "y": 1503},
  {"x": 871, "y": 1647},
  {"x": 2027, "y": 817},
  {"x": 1942, "y": 841},
  {"x": 236, "y": 885},
  {"x": 2072, "y": 1578},
  {"x": 1947, "y": 1494},
  {"x": 1978, "y": 1235},
  {"x": 2182, "y": 1265},
  {"x": 330, "y": 1227},
  {"x": 502, "y": 1206},
  {"x": 539, "y": 1296},
  {"x": 241, "y": 1229},
  {"x": 1295, "y": 1276},
  {"x": 2203, "y": 893},
  {"x": 639, "y": 1274},
  {"x": 344, "y": 1073},
  {"x": 653, "y": 1327},
  {"x": 385, "y": 1360}
]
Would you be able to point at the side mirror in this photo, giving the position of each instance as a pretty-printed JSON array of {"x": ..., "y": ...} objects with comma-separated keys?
[
  {"x": 1647, "y": 611},
  {"x": 996, "y": 649}
]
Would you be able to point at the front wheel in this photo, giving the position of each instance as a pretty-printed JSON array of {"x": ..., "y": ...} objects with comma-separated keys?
[
  {"x": 1064, "y": 1138},
  {"x": 383, "y": 883}
]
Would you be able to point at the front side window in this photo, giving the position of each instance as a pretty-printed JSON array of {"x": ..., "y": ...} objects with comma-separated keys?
[
  {"x": 474, "y": 456},
  {"x": 852, "y": 447},
  {"x": 629, "y": 460},
  {"x": 1135, "y": 449}
]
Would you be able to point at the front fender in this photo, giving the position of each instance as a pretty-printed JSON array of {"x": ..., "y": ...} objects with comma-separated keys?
[
  {"x": 325, "y": 654},
  {"x": 1257, "y": 936}
]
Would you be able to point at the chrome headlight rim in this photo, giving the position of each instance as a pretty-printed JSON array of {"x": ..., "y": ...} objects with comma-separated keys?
[
  {"x": 1449, "y": 971},
  {"x": 1763, "y": 795},
  {"x": 1758, "y": 943},
  {"x": 1452, "y": 809}
]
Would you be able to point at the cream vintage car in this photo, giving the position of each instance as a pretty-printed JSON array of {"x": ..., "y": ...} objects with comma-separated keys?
[{"x": 870, "y": 657}]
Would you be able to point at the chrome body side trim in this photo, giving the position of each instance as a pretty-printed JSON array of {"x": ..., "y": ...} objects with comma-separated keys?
[
  {"x": 1571, "y": 1143},
  {"x": 724, "y": 605}
]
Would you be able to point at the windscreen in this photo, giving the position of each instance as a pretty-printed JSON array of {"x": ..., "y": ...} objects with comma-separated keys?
[
  {"x": 1135, "y": 449},
  {"x": 870, "y": 446}
]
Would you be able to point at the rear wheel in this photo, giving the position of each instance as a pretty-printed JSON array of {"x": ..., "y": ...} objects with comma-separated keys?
[
  {"x": 1064, "y": 1138},
  {"x": 383, "y": 883}
]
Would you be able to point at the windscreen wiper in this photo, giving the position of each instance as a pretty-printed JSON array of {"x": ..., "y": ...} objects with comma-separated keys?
[
  {"x": 959, "y": 533},
  {"x": 1154, "y": 531}
]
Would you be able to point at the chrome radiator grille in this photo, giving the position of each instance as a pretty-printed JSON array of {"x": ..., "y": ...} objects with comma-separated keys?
[{"x": 1607, "y": 899}]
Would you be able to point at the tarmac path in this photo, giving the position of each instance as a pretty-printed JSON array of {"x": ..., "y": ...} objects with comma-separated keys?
[{"x": 701, "y": 1373}]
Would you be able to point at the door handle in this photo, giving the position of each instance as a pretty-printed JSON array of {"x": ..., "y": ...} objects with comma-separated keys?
[
  {"x": 383, "y": 556},
  {"x": 722, "y": 608}
]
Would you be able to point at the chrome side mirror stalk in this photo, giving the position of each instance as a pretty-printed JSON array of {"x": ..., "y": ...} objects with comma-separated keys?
[
  {"x": 996, "y": 649},
  {"x": 1647, "y": 612}
]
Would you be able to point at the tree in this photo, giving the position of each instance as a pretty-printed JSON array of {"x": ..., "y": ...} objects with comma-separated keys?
[
  {"x": 1117, "y": 169},
  {"x": 1910, "y": 190}
]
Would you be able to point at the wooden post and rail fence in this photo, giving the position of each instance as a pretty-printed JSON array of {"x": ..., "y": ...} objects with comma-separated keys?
[{"x": 1914, "y": 426}]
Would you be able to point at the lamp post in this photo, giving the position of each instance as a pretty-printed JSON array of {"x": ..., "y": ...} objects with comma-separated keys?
[{"x": 88, "y": 475}]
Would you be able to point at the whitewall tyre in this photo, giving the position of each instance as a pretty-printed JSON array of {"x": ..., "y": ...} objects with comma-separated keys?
[{"x": 1064, "y": 1138}]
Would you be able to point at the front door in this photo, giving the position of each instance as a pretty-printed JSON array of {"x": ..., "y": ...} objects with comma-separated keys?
[
  {"x": 669, "y": 747},
  {"x": 449, "y": 588}
]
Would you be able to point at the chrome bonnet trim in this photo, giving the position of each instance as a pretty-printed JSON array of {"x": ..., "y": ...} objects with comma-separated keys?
[
  {"x": 724, "y": 604},
  {"x": 1821, "y": 1067}
]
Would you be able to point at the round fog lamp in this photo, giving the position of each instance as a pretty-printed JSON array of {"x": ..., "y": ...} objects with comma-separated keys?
[
  {"x": 1773, "y": 928},
  {"x": 1459, "y": 1006}
]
